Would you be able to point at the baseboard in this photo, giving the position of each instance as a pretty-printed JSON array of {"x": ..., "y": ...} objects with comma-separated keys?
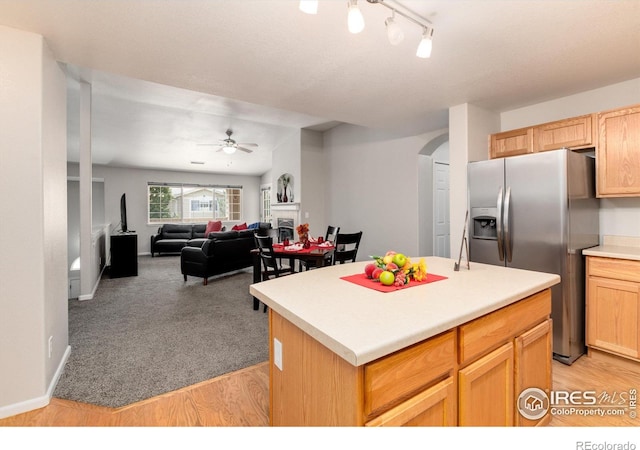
[
  {"x": 37, "y": 402},
  {"x": 95, "y": 287}
]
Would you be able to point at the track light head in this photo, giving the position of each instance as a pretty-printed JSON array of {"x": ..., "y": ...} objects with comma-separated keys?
[
  {"x": 355, "y": 20},
  {"x": 394, "y": 31},
  {"x": 426, "y": 44}
]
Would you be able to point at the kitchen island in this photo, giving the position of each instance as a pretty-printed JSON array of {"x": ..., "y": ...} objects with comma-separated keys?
[{"x": 453, "y": 352}]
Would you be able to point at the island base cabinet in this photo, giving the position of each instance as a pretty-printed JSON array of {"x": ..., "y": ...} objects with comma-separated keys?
[
  {"x": 435, "y": 407},
  {"x": 486, "y": 390},
  {"x": 470, "y": 375},
  {"x": 533, "y": 355}
]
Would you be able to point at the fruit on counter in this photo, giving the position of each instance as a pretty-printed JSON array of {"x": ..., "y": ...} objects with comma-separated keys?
[
  {"x": 399, "y": 259},
  {"x": 387, "y": 278},
  {"x": 387, "y": 259},
  {"x": 368, "y": 270},
  {"x": 376, "y": 273},
  {"x": 391, "y": 267}
]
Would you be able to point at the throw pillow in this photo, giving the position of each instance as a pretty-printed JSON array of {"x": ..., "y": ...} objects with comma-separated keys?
[
  {"x": 242, "y": 226},
  {"x": 213, "y": 226}
]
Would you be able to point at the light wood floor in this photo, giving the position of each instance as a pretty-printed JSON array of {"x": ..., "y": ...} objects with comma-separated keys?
[{"x": 241, "y": 399}]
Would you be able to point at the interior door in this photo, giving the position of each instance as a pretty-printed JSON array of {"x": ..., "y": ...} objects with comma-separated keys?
[{"x": 441, "y": 245}]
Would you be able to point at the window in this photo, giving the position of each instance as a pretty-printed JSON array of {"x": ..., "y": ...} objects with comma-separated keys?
[{"x": 185, "y": 203}]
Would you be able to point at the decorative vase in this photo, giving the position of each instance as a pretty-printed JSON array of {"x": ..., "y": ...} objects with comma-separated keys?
[
  {"x": 304, "y": 239},
  {"x": 284, "y": 197}
]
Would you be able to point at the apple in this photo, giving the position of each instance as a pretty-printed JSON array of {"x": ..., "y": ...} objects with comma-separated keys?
[
  {"x": 387, "y": 259},
  {"x": 399, "y": 259},
  {"x": 376, "y": 273},
  {"x": 387, "y": 278},
  {"x": 369, "y": 268}
]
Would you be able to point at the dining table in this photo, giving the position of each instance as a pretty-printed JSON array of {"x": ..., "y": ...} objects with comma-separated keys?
[{"x": 315, "y": 255}]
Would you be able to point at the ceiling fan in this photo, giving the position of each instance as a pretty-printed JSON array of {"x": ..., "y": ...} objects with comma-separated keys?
[{"x": 230, "y": 146}]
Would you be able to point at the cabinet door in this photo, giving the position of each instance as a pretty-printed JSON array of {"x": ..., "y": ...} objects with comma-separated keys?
[
  {"x": 511, "y": 143},
  {"x": 486, "y": 390},
  {"x": 570, "y": 133},
  {"x": 613, "y": 315},
  {"x": 434, "y": 407},
  {"x": 533, "y": 355},
  {"x": 618, "y": 153}
]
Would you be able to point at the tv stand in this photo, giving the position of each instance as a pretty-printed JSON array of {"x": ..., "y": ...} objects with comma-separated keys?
[{"x": 124, "y": 255}]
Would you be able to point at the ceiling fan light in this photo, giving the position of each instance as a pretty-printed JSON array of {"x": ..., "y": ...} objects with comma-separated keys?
[
  {"x": 229, "y": 150},
  {"x": 309, "y": 6},
  {"x": 426, "y": 44},
  {"x": 355, "y": 20},
  {"x": 394, "y": 31}
]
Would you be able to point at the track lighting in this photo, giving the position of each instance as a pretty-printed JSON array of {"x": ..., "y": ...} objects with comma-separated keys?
[
  {"x": 355, "y": 20},
  {"x": 394, "y": 31},
  {"x": 309, "y": 6},
  {"x": 426, "y": 44}
]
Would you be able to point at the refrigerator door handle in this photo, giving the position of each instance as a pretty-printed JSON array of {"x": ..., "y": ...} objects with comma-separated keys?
[
  {"x": 499, "y": 230},
  {"x": 507, "y": 219}
]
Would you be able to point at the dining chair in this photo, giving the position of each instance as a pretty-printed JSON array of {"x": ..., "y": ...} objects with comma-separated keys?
[
  {"x": 271, "y": 264},
  {"x": 346, "y": 247},
  {"x": 329, "y": 236}
]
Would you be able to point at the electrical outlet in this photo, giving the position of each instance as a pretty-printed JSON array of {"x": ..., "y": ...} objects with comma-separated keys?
[
  {"x": 277, "y": 353},
  {"x": 50, "y": 346}
]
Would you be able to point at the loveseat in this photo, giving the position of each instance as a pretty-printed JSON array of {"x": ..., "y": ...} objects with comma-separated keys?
[
  {"x": 222, "y": 252},
  {"x": 171, "y": 237}
]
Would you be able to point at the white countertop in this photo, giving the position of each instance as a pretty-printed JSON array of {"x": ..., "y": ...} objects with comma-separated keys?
[
  {"x": 361, "y": 324},
  {"x": 620, "y": 247}
]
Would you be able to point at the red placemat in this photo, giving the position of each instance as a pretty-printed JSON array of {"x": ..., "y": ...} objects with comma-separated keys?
[
  {"x": 362, "y": 280},
  {"x": 280, "y": 248}
]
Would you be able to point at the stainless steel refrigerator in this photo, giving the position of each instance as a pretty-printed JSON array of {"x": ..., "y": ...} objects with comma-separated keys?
[{"x": 538, "y": 212}]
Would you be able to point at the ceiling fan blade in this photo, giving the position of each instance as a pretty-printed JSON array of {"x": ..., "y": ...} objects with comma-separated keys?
[
  {"x": 245, "y": 144},
  {"x": 246, "y": 150}
]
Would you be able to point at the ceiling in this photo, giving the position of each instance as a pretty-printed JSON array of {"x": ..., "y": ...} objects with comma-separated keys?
[{"x": 169, "y": 75}]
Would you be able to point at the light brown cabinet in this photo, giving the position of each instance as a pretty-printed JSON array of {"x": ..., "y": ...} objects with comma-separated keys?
[
  {"x": 618, "y": 153},
  {"x": 613, "y": 306},
  {"x": 573, "y": 133},
  {"x": 486, "y": 390},
  {"x": 465, "y": 376},
  {"x": 511, "y": 143}
]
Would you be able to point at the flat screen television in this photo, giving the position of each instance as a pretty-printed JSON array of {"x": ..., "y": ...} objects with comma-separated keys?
[{"x": 123, "y": 213}]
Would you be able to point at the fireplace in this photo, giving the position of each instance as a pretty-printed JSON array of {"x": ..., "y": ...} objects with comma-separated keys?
[
  {"x": 285, "y": 218},
  {"x": 285, "y": 228}
]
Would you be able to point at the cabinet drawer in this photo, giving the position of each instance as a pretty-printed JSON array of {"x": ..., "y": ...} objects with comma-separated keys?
[
  {"x": 391, "y": 379},
  {"x": 435, "y": 407},
  {"x": 619, "y": 269},
  {"x": 488, "y": 332}
]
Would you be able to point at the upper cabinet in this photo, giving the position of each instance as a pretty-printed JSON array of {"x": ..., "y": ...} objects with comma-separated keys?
[
  {"x": 572, "y": 133},
  {"x": 615, "y": 134},
  {"x": 618, "y": 153},
  {"x": 511, "y": 143}
]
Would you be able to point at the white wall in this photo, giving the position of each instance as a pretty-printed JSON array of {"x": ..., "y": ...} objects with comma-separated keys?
[
  {"x": 469, "y": 128},
  {"x": 618, "y": 216},
  {"x": 287, "y": 159},
  {"x": 372, "y": 185},
  {"x": 313, "y": 182},
  {"x": 133, "y": 182},
  {"x": 33, "y": 270}
]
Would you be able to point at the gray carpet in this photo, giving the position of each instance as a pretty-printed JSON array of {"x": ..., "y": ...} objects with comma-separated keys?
[{"x": 143, "y": 336}]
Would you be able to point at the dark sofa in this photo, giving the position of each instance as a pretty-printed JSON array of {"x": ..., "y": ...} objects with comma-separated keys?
[
  {"x": 172, "y": 237},
  {"x": 223, "y": 252}
]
